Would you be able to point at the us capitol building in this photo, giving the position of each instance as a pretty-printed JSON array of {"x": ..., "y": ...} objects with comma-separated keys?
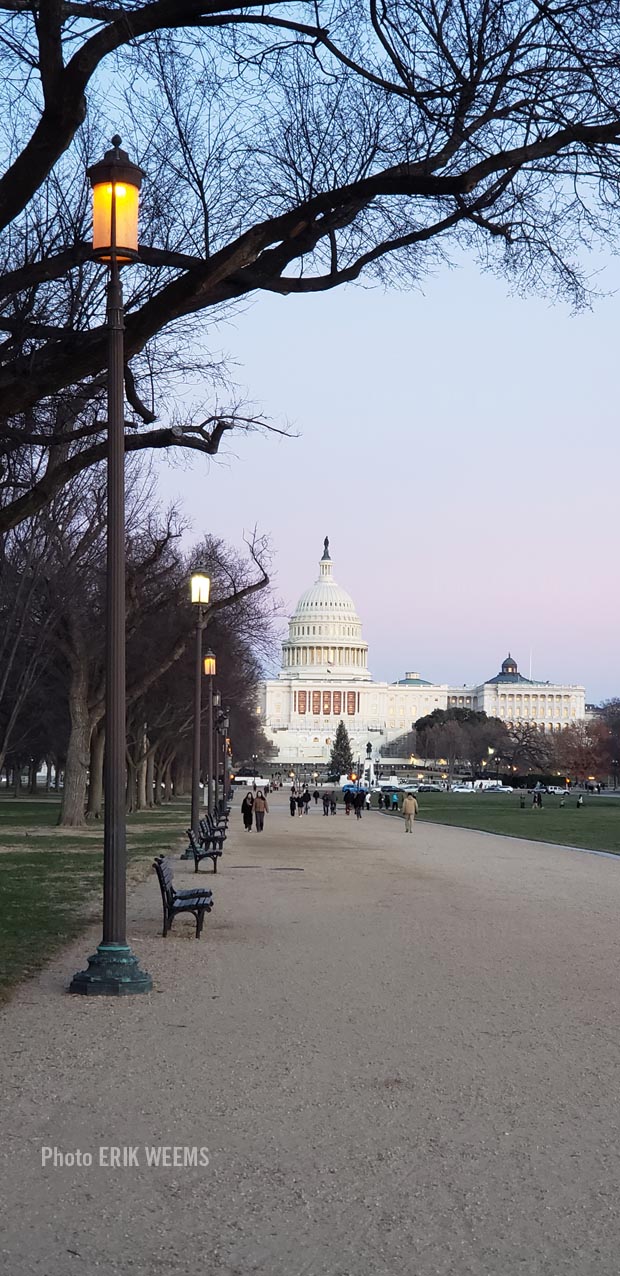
[{"x": 325, "y": 678}]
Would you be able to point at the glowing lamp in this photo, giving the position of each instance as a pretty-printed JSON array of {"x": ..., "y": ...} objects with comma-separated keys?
[
  {"x": 115, "y": 182},
  {"x": 200, "y": 588},
  {"x": 208, "y": 664}
]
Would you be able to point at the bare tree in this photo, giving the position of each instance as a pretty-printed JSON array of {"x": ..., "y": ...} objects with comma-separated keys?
[
  {"x": 584, "y": 750},
  {"x": 290, "y": 147}
]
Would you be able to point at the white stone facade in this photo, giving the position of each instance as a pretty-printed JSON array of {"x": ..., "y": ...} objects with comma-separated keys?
[{"x": 325, "y": 678}]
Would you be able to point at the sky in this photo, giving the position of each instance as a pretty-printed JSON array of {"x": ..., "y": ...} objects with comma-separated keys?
[{"x": 459, "y": 446}]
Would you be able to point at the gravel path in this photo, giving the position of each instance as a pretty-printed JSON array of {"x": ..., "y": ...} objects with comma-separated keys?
[{"x": 403, "y": 1059}]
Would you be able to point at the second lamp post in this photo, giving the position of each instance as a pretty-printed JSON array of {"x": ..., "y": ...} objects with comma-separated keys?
[{"x": 200, "y": 586}]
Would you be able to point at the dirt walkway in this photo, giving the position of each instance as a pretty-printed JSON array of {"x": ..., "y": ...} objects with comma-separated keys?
[{"x": 403, "y": 1058}]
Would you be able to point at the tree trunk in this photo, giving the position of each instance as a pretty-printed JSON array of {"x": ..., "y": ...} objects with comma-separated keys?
[
  {"x": 32, "y": 777},
  {"x": 150, "y": 780},
  {"x": 141, "y": 786},
  {"x": 48, "y": 778},
  {"x": 168, "y": 783},
  {"x": 130, "y": 791},
  {"x": 95, "y": 785},
  {"x": 78, "y": 754},
  {"x": 141, "y": 773},
  {"x": 158, "y": 778},
  {"x": 181, "y": 779}
]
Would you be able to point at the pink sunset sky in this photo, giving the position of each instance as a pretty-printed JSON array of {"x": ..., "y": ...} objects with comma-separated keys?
[{"x": 460, "y": 448}]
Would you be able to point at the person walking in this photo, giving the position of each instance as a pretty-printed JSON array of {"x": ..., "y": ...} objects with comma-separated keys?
[
  {"x": 359, "y": 802},
  {"x": 380, "y": 801},
  {"x": 332, "y": 803},
  {"x": 367, "y": 801},
  {"x": 307, "y": 799},
  {"x": 580, "y": 802},
  {"x": 247, "y": 811},
  {"x": 316, "y": 795},
  {"x": 410, "y": 810},
  {"x": 326, "y": 804},
  {"x": 395, "y": 801},
  {"x": 261, "y": 808},
  {"x": 300, "y": 803},
  {"x": 347, "y": 802},
  {"x": 292, "y": 804}
]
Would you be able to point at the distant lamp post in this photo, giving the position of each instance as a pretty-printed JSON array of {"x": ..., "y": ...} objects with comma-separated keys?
[
  {"x": 210, "y": 669},
  {"x": 113, "y": 970},
  {"x": 200, "y": 589},
  {"x": 223, "y": 728}
]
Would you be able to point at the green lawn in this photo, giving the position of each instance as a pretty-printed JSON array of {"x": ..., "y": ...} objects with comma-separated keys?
[
  {"x": 51, "y": 880},
  {"x": 595, "y": 827}
]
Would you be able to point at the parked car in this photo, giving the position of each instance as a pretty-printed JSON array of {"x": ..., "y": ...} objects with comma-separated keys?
[
  {"x": 430, "y": 788},
  {"x": 499, "y": 788},
  {"x": 462, "y": 788}
]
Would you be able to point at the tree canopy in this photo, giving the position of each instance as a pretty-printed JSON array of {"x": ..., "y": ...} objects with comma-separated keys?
[{"x": 289, "y": 147}]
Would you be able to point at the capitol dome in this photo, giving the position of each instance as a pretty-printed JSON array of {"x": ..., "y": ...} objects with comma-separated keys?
[{"x": 325, "y": 631}]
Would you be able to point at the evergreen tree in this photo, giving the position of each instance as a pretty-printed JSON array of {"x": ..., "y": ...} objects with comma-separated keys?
[{"x": 341, "y": 760}]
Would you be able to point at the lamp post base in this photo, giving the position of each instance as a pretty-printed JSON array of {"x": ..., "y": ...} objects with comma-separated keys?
[{"x": 113, "y": 971}]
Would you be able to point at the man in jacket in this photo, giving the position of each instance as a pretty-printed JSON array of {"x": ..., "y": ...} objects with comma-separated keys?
[{"x": 410, "y": 810}]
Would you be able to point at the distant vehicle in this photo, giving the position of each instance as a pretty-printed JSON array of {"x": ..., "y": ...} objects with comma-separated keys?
[
  {"x": 260, "y": 781},
  {"x": 558, "y": 788},
  {"x": 430, "y": 788},
  {"x": 499, "y": 788},
  {"x": 462, "y": 788},
  {"x": 409, "y": 788}
]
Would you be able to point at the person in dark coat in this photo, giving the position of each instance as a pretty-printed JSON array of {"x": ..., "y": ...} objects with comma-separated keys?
[
  {"x": 306, "y": 799},
  {"x": 347, "y": 802},
  {"x": 247, "y": 810},
  {"x": 326, "y": 804},
  {"x": 316, "y": 795},
  {"x": 300, "y": 803},
  {"x": 359, "y": 803},
  {"x": 293, "y": 804},
  {"x": 332, "y": 803}
]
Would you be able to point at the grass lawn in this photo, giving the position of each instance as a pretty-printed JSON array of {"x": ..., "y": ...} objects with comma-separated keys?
[
  {"x": 51, "y": 880},
  {"x": 595, "y": 827}
]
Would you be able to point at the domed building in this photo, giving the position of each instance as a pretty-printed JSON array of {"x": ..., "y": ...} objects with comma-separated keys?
[
  {"x": 325, "y": 678},
  {"x": 325, "y": 632}
]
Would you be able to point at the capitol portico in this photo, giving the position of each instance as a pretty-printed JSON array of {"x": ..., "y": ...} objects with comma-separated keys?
[{"x": 325, "y": 678}]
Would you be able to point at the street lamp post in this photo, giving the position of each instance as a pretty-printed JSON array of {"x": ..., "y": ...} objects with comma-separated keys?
[
  {"x": 210, "y": 669},
  {"x": 223, "y": 724},
  {"x": 200, "y": 588},
  {"x": 216, "y": 700},
  {"x": 114, "y": 970}
]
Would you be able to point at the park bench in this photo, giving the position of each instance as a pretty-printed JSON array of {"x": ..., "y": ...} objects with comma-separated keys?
[
  {"x": 211, "y": 832},
  {"x": 203, "y": 850},
  {"x": 197, "y": 902}
]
